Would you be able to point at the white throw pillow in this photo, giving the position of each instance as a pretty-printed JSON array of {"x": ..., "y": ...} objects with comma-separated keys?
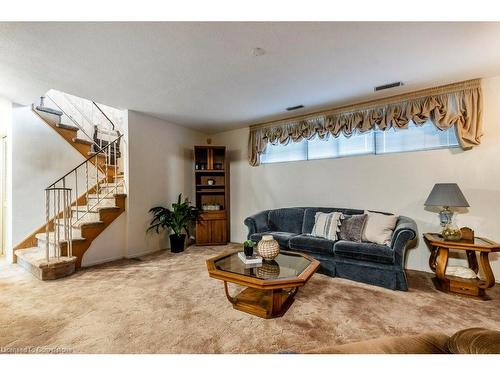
[
  {"x": 379, "y": 228},
  {"x": 326, "y": 225}
]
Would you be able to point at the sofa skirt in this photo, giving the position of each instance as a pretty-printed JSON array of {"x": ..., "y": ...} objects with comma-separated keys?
[{"x": 387, "y": 276}]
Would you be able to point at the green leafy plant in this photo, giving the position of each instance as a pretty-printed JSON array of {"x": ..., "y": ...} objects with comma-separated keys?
[
  {"x": 249, "y": 243},
  {"x": 178, "y": 218}
]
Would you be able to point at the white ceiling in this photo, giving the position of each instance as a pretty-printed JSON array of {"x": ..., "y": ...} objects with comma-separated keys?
[{"x": 204, "y": 76}]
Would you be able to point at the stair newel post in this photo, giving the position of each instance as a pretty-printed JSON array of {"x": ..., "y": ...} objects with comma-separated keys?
[
  {"x": 56, "y": 219},
  {"x": 108, "y": 159},
  {"x": 70, "y": 219},
  {"x": 56, "y": 247},
  {"x": 47, "y": 224},
  {"x": 97, "y": 177},
  {"x": 115, "y": 165},
  {"x": 87, "y": 184},
  {"x": 76, "y": 192},
  {"x": 64, "y": 212}
]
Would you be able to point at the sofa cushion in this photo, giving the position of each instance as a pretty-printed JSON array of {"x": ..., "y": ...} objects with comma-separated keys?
[
  {"x": 309, "y": 244},
  {"x": 364, "y": 251},
  {"x": 327, "y": 225},
  {"x": 379, "y": 227},
  {"x": 310, "y": 214},
  {"x": 286, "y": 220},
  {"x": 282, "y": 237},
  {"x": 352, "y": 227}
]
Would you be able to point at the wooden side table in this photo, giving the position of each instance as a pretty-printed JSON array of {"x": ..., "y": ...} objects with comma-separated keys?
[{"x": 438, "y": 261}]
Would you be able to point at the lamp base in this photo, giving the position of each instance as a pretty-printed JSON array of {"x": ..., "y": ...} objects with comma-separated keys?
[{"x": 451, "y": 233}]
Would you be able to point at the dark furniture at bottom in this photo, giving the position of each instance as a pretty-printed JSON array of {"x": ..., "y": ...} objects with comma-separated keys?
[
  {"x": 466, "y": 341},
  {"x": 381, "y": 265}
]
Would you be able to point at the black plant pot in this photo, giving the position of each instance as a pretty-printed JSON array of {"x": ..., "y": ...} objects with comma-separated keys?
[
  {"x": 248, "y": 250},
  {"x": 177, "y": 243}
]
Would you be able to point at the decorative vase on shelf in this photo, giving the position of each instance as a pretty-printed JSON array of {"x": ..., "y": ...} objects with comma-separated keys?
[{"x": 268, "y": 248}]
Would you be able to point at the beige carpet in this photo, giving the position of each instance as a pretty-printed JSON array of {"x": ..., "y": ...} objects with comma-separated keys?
[{"x": 166, "y": 303}]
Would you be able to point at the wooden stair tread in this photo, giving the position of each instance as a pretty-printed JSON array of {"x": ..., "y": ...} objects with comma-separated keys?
[
  {"x": 79, "y": 224},
  {"x": 98, "y": 154},
  {"x": 67, "y": 127},
  {"x": 49, "y": 110},
  {"x": 43, "y": 237},
  {"x": 83, "y": 141},
  {"x": 95, "y": 209},
  {"x": 101, "y": 196},
  {"x": 36, "y": 257},
  {"x": 34, "y": 260}
]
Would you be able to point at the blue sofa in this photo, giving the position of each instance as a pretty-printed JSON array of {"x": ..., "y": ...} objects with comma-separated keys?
[{"x": 369, "y": 263}]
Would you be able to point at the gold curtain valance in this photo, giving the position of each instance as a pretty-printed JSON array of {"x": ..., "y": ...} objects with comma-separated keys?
[{"x": 458, "y": 104}]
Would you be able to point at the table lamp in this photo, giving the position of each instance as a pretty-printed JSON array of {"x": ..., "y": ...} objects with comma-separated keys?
[{"x": 446, "y": 196}]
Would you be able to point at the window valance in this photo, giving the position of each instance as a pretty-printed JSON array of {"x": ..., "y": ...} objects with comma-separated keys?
[{"x": 458, "y": 104}]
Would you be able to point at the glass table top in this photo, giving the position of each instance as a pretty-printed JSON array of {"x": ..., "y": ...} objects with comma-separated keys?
[
  {"x": 476, "y": 241},
  {"x": 285, "y": 265}
]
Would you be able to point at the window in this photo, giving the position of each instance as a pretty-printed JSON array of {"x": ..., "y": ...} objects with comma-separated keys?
[
  {"x": 292, "y": 151},
  {"x": 358, "y": 144},
  {"x": 415, "y": 138},
  {"x": 424, "y": 137}
]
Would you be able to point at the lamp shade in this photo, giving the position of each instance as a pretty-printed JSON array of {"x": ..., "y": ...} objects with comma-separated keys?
[{"x": 446, "y": 195}]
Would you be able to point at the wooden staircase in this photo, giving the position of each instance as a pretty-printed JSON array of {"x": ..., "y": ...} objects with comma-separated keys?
[
  {"x": 70, "y": 134},
  {"x": 91, "y": 212}
]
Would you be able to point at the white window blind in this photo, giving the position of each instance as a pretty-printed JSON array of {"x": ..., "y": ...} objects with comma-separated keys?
[
  {"x": 415, "y": 138},
  {"x": 292, "y": 151},
  {"x": 424, "y": 137}
]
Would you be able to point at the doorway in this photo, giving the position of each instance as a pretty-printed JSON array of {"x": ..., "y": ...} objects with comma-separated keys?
[{"x": 3, "y": 197}]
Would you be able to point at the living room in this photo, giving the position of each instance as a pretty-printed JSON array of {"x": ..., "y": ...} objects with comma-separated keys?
[{"x": 250, "y": 187}]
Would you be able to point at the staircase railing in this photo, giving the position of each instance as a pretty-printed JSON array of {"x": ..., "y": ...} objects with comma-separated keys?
[
  {"x": 60, "y": 198},
  {"x": 86, "y": 115},
  {"x": 87, "y": 178}
]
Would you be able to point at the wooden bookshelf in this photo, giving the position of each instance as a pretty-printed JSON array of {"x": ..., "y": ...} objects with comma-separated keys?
[{"x": 211, "y": 171}]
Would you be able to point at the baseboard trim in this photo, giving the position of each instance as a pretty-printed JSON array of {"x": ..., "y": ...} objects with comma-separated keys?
[
  {"x": 102, "y": 261},
  {"x": 144, "y": 253}
]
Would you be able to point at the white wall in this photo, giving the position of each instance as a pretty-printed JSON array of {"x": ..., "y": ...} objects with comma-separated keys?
[
  {"x": 160, "y": 166},
  {"x": 110, "y": 245},
  {"x": 6, "y": 178},
  {"x": 397, "y": 183},
  {"x": 5, "y": 116},
  {"x": 40, "y": 157}
]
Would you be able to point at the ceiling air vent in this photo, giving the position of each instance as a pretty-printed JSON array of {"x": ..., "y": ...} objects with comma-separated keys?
[
  {"x": 295, "y": 107},
  {"x": 388, "y": 86}
]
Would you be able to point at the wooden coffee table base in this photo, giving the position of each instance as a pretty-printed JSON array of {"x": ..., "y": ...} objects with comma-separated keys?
[{"x": 267, "y": 304}]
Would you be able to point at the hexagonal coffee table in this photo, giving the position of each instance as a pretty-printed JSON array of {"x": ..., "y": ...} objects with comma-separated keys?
[{"x": 271, "y": 286}]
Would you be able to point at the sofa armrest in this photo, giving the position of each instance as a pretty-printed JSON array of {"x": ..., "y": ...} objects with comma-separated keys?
[
  {"x": 405, "y": 231},
  {"x": 257, "y": 223}
]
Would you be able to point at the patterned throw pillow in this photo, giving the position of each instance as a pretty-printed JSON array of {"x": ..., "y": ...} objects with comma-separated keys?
[
  {"x": 326, "y": 225},
  {"x": 352, "y": 226}
]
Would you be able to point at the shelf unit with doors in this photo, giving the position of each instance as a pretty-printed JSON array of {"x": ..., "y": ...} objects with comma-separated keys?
[{"x": 211, "y": 171}]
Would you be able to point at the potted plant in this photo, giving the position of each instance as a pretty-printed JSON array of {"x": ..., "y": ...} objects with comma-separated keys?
[
  {"x": 177, "y": 219},
  {"x": 248, "y": 248}
]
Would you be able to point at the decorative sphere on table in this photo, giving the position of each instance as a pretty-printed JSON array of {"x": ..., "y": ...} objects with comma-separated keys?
[{"x": 268, "y": 248}]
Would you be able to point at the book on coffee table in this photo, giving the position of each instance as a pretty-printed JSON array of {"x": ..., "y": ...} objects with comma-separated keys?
[{"x": 253, "y": 260}]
